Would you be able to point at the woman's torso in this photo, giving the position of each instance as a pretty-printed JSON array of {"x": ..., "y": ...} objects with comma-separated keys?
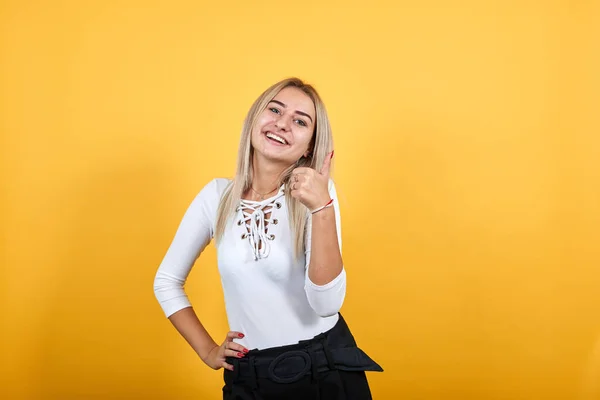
[{"x": 262, "y": 283}]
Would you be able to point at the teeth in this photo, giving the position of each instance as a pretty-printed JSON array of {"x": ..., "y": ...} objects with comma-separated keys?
[{"x": 275, "y": 137}]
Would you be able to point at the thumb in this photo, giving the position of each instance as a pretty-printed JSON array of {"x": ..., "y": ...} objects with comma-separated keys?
[{"x": 327, "y": 164}]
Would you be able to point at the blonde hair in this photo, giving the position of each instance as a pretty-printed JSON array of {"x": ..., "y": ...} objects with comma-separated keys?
[{"x": 321, "y": 143}]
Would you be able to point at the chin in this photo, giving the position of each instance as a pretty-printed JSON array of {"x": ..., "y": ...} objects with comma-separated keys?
[{"x": 279, "y": 159}]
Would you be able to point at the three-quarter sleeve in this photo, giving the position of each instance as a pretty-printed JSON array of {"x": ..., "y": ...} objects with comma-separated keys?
[
  {"x": 327, "y": 299},
  {"x": 194, "y": 233}
]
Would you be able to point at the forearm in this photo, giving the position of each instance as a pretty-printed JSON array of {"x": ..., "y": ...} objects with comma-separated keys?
[
  {"x": 189, "y": 326},
  {"x": 326, "y": 258}
]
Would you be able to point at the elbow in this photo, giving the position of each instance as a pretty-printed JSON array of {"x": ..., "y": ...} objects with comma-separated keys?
[
  {"x": 327, "y": 310},
  {"x": 161, "y": 285},
  {"x": 165, "y": 283},
  {"x": 327, "y": 300},
  {"x": 157, "y": 287},
  {"x": 161, "y": 288},
  {"x": 169, "y": 293}
]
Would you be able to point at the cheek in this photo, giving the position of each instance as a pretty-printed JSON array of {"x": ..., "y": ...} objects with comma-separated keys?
[
  {"x": 261, "y": 122},
  {"x": 303, "y": 138},
  {"x": 264, "y": 119}
]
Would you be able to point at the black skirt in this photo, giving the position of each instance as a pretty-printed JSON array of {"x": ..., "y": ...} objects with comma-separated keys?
[{"x": 329, "y": 366}]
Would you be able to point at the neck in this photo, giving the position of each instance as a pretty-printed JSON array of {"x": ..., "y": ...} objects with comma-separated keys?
[{"x": 266, "y": 177}]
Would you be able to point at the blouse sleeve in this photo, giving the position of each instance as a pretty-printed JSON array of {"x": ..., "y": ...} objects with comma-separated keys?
[
  {"x": 326, "y": 299},
  {"x": 194, "y": 233}
]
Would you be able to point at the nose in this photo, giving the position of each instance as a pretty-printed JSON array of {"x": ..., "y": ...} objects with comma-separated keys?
[{"x": 283, "y": 122}]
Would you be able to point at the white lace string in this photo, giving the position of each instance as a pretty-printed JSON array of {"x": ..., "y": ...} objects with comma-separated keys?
[{"x": 254, "y": 217}]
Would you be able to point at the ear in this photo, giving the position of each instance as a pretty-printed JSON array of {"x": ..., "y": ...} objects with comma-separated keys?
[{"x": 309, "y": 151}]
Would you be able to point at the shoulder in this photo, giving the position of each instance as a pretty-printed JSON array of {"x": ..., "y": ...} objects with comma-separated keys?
[
  {"x": 212, "y": 192},
  {"x": 216, "y": 186},
  {"x": 219, "y": 185}
]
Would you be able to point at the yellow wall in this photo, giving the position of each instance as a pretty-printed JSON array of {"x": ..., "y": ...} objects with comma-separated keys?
[{"x": 467, "y": 150}]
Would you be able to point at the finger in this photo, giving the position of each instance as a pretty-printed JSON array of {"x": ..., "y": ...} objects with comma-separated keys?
[
  {"x": 234, "y": 353},
  {"x": 302, "y": 170},
  {"x": 297, "y": 193},
  {"x": 227, "y": 366},
  {"x": 300, "y": 178},
  {"x": 296, "y": 188},
  {"x": 236, "y": 348},
  {"x": 327, "y": 164},
  {"x": 234, "y": 335}
]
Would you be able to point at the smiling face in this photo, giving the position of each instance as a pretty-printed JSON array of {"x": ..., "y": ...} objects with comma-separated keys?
[{"x": 284, "y": 129}]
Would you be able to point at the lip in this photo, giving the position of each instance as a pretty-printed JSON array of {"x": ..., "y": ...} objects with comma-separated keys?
[{"x": 275, "y": 142}]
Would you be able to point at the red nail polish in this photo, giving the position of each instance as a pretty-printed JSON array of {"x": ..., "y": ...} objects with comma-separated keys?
[
  {"x": 245, "y": 350},
  {"x": 240, "y": 355},
  {"x": 241, "y": 335}
]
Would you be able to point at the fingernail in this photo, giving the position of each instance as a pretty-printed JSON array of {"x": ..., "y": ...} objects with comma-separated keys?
[
  {"x": 240, "y": 355},
  {"x": 241, "y": 335},
  {"x": 245, "y": 350}
]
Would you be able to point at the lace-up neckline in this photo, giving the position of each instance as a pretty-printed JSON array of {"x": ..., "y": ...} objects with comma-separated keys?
[{"x": 257, "y": 216}]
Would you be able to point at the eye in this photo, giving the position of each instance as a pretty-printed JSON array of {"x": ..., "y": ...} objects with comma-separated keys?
[
  {"x": 275, "y": 110},
  {"x": 301, "y": 122}
]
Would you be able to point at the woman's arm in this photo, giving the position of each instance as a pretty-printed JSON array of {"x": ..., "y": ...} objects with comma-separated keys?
[
  {"x": 193, "y": 235},
  {"x": 191, "y": 238},
  {"x": 325, "y": 282},
  {"x": 326, "y": 258},
  {"x": 191, "y": 329}
]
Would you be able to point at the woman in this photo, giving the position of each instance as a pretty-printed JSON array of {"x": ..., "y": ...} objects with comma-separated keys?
[{"x": 277, "y": 231}]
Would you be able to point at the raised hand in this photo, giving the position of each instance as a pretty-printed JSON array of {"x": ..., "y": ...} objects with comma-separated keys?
[{"x": 311, "y": 187}]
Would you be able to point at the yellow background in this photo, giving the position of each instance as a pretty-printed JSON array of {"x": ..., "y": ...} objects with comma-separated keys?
[{"x": 467, "y": 163}]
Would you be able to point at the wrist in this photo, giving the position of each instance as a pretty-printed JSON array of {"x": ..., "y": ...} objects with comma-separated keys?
[
  {"x": 204, "y": 353},
  {"x": 323, "y": 205}
]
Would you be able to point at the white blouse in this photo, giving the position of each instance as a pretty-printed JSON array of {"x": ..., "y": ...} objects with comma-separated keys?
[{"x": 268, "y": 295}]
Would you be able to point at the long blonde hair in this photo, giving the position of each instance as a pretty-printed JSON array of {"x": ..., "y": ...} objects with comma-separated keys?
[{"x": 322, "y": 144}]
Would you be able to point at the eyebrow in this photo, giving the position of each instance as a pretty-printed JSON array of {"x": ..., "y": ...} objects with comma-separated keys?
[{"x": 299, "y": 112}]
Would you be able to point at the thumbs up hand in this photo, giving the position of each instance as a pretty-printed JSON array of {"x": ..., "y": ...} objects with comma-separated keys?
[{"x": 311, "y": 187}]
